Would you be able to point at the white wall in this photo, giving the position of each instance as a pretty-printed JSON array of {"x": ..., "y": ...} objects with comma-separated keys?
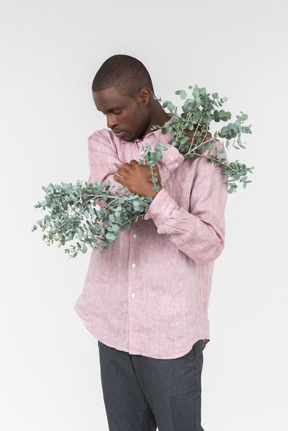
[{"x": 50, "y": 51}]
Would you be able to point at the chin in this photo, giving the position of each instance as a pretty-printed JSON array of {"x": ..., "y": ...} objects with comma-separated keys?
[{"x": 129, "y": 138}]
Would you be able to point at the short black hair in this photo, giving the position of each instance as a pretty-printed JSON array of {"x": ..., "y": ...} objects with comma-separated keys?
[{"x": 123, "y": 72}]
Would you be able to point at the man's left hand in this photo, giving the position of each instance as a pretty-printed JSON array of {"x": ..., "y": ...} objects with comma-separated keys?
[
  {"x": 136, "y": 178},
  {"x": 191, "y": 135}
]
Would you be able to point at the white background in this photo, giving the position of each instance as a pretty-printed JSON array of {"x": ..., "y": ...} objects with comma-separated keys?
[{"x": 50, "y": 52}]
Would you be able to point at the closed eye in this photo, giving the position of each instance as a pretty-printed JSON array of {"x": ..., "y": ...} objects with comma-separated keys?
[{"x": 114, "y": 111}]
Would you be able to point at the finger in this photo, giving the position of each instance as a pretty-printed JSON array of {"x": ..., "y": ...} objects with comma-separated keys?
[
  {"x": 122, "y": 172},
  {"x": 134, "y": 163},
  {"x": 126, "y": 166},
  {"x": 119, "y": 179}
]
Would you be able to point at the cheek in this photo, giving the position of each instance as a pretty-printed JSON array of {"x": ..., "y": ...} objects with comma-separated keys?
[{"x": 131, "y": 120}]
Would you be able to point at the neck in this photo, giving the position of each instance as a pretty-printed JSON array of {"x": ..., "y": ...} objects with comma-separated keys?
[{"x": 158, "y": 117}]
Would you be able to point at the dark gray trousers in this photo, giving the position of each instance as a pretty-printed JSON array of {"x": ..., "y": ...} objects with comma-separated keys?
[{"x": 141, "y": 393}]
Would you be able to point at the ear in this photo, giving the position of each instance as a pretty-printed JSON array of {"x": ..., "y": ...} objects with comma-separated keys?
[{"x": 145, "y": 96}]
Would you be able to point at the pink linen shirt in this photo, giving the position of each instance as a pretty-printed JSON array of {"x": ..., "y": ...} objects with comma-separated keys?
[{"x": 148, "y": 295}]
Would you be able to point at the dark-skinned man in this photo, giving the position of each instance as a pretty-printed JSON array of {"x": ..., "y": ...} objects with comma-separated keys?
[{"x": 146, "y": 299}]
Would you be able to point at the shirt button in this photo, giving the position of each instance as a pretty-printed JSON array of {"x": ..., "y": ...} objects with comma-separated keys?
[
  {"x": 134, "y": 236},
  {"x": 176, "y": 164},
  {"x": 133, "y": 295},
  {"x": 171, "y": 158},
  {"x": 133, "y": 265}
]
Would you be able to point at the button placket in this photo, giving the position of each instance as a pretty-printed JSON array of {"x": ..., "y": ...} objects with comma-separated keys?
[{"x": 132, "y": 294}]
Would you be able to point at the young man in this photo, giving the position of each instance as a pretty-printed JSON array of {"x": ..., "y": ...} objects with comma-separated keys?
[{"x": 146, "y": 299}]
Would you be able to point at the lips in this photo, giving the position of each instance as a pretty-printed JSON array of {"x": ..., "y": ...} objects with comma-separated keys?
[{"x": 118, "y": 133}]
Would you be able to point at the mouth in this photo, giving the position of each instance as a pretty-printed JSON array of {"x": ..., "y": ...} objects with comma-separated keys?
[{"x": 118, "y": 133}]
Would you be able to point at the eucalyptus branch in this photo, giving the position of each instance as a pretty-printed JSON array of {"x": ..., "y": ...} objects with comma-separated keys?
[
  {"x": 197, "y": 128},
  {"x": 75, "y": 216}
]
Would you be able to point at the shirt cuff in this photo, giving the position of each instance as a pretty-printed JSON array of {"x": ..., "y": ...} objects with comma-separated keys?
[
  {"x": 171, "y": 158},
  {"x": 161, "y": 207}
]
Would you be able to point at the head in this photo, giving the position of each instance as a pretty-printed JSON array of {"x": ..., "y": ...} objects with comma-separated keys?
[{"x": 123, "y": 91}]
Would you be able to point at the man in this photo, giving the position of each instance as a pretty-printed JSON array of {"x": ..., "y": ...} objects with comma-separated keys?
[{"x": 146, "y": 299}]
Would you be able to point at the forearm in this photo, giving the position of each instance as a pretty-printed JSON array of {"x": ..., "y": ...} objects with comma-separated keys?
[{"x": 199, "y": 240}]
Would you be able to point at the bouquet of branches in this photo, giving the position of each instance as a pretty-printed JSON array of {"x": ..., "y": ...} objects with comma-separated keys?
[{"x": 92, "y": 215}]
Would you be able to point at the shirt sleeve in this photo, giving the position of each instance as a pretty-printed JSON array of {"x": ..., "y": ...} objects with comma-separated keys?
[
  {"x": 171, "y": 159},
  {"x": 103, "y": 161},
  {"x": 199, "y": 233}
]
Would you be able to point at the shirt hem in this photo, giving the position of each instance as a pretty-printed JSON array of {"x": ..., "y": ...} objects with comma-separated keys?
[{"x": 139, "y": 352}]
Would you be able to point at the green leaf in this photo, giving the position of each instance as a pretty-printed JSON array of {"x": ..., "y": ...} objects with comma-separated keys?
[
  {"x": 196, "y": 92},
  {"x": 181, "y": 93},
  {"x": 110, "y": 236},
  {"x": 114, "y": 228},
  {"x": 216, "y": 116},
  {"x": 156, "y": 188},
  {"x": 158, "y": 147}
]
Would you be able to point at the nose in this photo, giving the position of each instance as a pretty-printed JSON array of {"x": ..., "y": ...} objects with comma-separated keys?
[{"x": 111, "y": 120}]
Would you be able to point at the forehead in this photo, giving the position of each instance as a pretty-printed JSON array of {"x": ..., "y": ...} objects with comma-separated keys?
[{"x": 109, "y": 99}]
